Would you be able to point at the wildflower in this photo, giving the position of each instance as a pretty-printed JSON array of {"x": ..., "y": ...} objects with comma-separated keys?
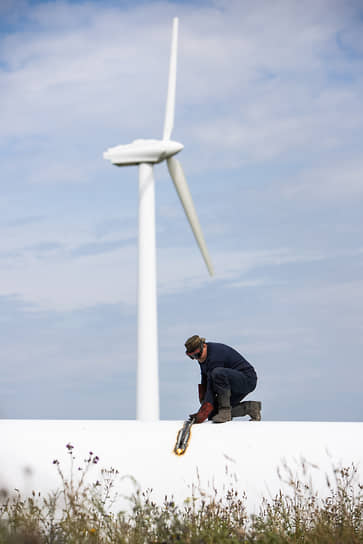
[
  {"x": 96, "y": 459},
  {"x": 55, "y": 462},
  {"x": 92, "y": 531},
  {"x": 69, "y": 447}
]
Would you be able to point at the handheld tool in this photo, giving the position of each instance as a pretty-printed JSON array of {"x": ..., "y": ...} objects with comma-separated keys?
[{"x": 183, "y": 437}]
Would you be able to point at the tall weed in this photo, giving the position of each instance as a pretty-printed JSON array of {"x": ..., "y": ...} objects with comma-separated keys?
[{"x": 81, "y": 512}]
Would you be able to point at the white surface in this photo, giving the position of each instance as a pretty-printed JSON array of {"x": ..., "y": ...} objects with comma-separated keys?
[
  {"x": 181, "y": 186},
  {"x": 170, "y": 101},
  {"x": 240, "y": 453},
  {"x": 139, "y": 151},
  {"x": 147, "y": 330},
  {"x": 145, "y": 153}
]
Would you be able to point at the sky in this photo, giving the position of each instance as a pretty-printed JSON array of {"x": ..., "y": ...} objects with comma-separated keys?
[{"x": 269, "y": 109}]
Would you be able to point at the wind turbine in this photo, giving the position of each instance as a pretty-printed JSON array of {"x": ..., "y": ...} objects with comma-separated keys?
[{"x": 146, "y": 153}]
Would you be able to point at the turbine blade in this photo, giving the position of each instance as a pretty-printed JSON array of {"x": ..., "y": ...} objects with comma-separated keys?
[
  {"x": 170, "y": 101},
  {"x": 181, "y": 186}
]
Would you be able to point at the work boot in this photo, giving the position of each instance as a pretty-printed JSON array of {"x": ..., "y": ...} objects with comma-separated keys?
[
  {"x": 240, "y": 410},
  {"x": 224, "y": 407},
  {"x": 250, "y": 408}
]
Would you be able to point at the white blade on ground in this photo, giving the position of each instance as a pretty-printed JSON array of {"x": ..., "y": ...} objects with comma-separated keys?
[
  {"x": 181, "y": 186},
  {"x": 170, "y": 101}
]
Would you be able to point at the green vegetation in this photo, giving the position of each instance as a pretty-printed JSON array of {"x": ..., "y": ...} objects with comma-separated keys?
[{"x": 80, "y": 512}]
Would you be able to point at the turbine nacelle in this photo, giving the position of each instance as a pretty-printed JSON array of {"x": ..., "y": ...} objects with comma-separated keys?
[{"x": 140, "y": 151}]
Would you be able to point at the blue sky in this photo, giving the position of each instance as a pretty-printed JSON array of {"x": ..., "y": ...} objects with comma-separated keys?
[{"x": 269, "y": 109}]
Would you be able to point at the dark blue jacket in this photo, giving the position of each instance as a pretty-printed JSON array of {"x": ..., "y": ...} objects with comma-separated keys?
[{"x": 220, "y": 355}]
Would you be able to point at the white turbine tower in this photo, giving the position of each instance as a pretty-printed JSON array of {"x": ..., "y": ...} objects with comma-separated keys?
[{"x": 146, "y": 153}]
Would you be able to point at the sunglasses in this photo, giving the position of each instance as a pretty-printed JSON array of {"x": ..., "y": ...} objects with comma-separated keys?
[{"x": 196, "y": 355}]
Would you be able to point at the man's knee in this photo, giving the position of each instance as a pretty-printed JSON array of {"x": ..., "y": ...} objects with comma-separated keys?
[
  {"x": 218, "y": 373},
  {"x": 219, "y": 378}
]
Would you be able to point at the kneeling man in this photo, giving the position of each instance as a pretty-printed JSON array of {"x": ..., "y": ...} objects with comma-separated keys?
[{"x": 227, "y": 378}]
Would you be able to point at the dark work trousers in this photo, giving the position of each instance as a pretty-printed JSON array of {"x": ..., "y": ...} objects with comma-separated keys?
[{"x": 240, "y": 383}]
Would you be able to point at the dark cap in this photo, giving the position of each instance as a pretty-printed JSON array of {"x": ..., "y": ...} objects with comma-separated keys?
[{"x": 193, "y": 343}]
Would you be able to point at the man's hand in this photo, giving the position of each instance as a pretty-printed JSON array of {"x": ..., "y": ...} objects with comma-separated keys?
[{"x": 203, "y": 412}]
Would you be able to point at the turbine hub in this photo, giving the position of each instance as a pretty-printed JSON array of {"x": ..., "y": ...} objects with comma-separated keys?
[{"x": 139, "y": 151}]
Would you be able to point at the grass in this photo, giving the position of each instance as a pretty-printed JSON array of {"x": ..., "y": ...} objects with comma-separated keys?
[{"x": 80, "y": 512}]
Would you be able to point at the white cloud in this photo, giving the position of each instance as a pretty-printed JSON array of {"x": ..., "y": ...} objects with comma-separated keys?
[
  {"x": 76, "y": 271},
  {"x": 252, "y": 93},
  {"x": 337, "y": 180},
  {"x": 65, "y": 285},
  {"x": 59, "y": 281}
]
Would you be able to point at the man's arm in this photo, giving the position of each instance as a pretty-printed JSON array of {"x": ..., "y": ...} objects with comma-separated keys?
[
  {"x": 202, "y": 387},
  {"x": 209, "y": 395}
]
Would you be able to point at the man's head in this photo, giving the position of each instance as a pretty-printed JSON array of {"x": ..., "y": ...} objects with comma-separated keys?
[{"x": 194, "y": 347}]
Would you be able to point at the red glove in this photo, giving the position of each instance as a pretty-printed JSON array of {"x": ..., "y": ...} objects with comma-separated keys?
[
  {"x": 203, "y": 412},
  {"x": 201, "y": 392}
]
